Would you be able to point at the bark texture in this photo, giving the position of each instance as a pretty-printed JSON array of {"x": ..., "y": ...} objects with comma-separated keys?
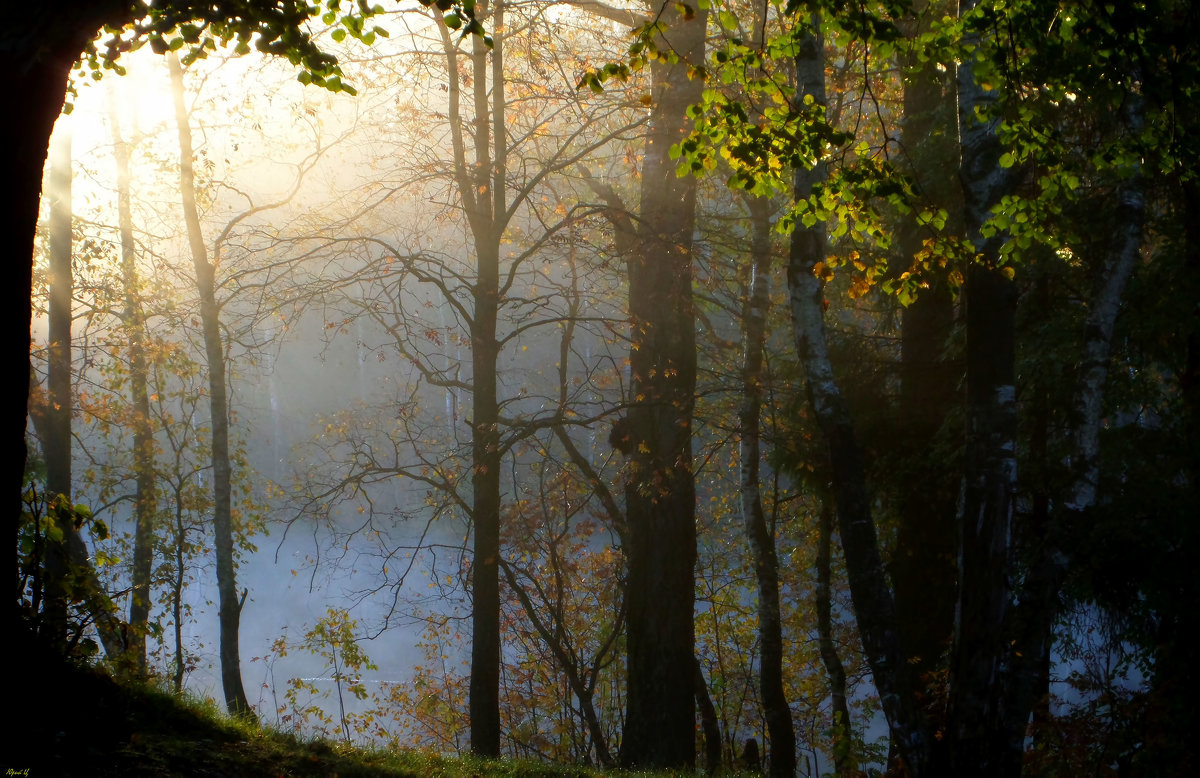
[{"x": 660, "y": 491}]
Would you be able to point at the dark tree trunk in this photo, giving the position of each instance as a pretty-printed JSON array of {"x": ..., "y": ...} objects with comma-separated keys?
[
  {"x": 874, "y": 605},
  {"x": 482, "y": 189},
  {"x": 230, "y": 604},
  {"x": 37, "y": 49},
  {"x": 923, "y": 564},
  {"x": 177, "y": 594},
  {"x": 485, "y": 445},
  {"x": 25, "y": 145},
  {"x": 485, "y": 455},
  {"x": 709, "y": 724},
  {"x": 145, "y": 503},
  {"x": 660, "y": 491},
  {"x": 782, "y": 754},
  {"x": 982, "y": 658},
  {"x": 843, "y": 756}
]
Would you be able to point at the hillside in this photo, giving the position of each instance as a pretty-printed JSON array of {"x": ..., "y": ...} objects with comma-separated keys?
[{"x": 74, "y": 721}]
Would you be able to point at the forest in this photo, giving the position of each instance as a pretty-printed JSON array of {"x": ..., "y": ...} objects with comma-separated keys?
[{"x": 806, "y": 388}]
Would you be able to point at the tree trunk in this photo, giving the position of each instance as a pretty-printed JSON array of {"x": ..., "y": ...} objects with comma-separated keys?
[
  {"x": 485, "y": 448},
  {"x": 982, "y": 657},
  {"x": 660, "y": 490},
  {"x": 230, "y": 604},
  {"x": 708, "y": 721},
  {"x": 145, "y": 502},
  {"x": 844, "y": 763},
  {"x": 25, "y": 143},
  {"x": 482, "y": 189},
  {"x": 56, "y": 440},
  {"x": 177, "y": 593},
  {"x": 874, "y": 605},
  {"x": 68, "y": 572},
  {"x": 782, "y": 753},
  {"x": 923, "y": 563},
  {"x": 37, "y": 50}
]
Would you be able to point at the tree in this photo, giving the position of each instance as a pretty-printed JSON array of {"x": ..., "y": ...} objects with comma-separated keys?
[
  {"x": 145, "y": 498},
  {"x": 660, "y": 491},
  {"x": 468, "y": 311},
  {"x": 63, "y": 573},
  {"x": 60, "y": 402},
  {"x": 782, "y": 756},
  {"x": 218, "y": 393},
  {"x": 1010, "y": 571}
]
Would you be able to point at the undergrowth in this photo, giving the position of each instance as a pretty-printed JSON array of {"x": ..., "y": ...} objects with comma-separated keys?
[{"x": 77, "y": 721}]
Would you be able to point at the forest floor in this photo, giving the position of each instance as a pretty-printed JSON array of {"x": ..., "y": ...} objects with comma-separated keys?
[{"x": 70, "y": 721}]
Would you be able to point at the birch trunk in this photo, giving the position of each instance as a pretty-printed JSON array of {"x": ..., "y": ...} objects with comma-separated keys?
[{"x": 874, "y": 605}]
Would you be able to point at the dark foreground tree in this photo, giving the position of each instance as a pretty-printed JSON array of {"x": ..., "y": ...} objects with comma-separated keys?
[{"x": 660, "y": 492}]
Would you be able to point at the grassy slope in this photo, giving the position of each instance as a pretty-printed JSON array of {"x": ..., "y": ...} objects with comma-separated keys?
[{"x": 64, "y": 721}]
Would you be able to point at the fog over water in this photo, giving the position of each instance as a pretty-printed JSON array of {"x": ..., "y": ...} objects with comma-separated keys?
[{"x": 316, "y": 293}]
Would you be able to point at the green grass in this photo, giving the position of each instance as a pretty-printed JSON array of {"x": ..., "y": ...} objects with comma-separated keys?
[{"x": 79, "y": 722}]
